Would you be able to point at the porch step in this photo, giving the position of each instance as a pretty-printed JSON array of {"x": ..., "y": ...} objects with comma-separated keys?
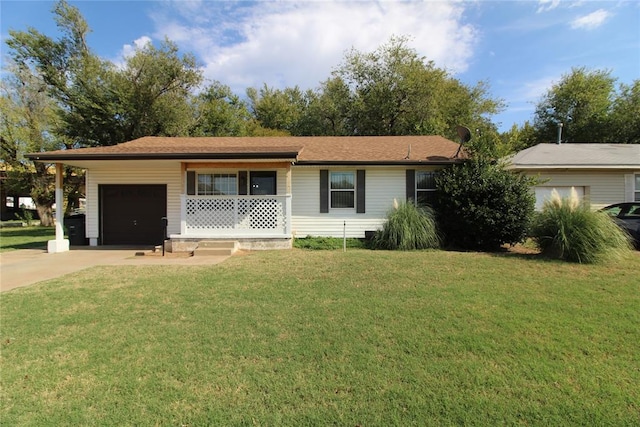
[{"x": 216, "y": 248}]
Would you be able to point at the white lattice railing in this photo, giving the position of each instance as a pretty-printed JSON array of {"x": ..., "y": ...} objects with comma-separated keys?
[{"x": 236, "y": 216}]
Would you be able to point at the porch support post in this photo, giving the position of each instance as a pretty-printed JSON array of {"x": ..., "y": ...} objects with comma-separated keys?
[
  {"x": 183, "y": 214},
  {"x": 287, "y": 201},
  {"x": 288, "y": 182},
  {"x": 60, "y": 244},
  {"x": 287, "y": 228}
]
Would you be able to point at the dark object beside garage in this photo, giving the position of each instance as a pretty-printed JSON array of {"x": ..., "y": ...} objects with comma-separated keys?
[{"x": 76, "y": 229}]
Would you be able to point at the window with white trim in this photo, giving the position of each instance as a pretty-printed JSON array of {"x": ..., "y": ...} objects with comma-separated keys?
[
  {"x": 636, "y": 194},
  {"x": 425, "y": 188},
  {"x": 217, "y": 184},
  {"x": 342, "y": 190}
]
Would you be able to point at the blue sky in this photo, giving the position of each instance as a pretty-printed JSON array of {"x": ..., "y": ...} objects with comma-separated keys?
[{"x": 519, "y": 47}]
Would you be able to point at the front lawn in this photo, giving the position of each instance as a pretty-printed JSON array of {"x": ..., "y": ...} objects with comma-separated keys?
[
  {"x": 12, "y": 238},
  {"x": 293, "y": 338}
]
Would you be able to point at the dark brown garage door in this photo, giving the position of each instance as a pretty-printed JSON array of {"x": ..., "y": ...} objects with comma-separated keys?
[{"x": 132, "y": 214}]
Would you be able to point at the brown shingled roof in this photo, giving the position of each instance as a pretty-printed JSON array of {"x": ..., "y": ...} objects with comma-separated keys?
[{"x": 302, "y": 150}]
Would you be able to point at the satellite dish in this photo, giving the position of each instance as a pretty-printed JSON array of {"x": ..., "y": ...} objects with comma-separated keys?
[
  {"x": 465, "y": 136},
  {"x": 464, "y": 133}
]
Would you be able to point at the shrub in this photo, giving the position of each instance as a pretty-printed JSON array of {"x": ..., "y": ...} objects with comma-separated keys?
[
  {"x": 407, "y": 228},
  {"x": 327, "y": 243},
  {"x": 567, "y": 229},
  {"x": 480, "y": 205}
]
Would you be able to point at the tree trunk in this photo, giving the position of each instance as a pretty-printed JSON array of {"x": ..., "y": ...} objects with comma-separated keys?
[{"x": 45, "y": 212}]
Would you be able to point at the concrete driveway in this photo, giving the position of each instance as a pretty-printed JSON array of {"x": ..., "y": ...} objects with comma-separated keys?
[{"x": 28, "y": 266}]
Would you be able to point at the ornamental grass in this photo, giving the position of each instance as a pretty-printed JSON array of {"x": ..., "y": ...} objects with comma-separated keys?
[
  {"x": 408, "y": 227},
  {"x": 567, "y": 229}
]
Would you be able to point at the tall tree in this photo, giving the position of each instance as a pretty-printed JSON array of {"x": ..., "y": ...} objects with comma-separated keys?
[
  {"x": 330, "y": 109},
  {"x": 278, "y": 109},
  {"x": 154, "y": 92},
  {"x": 72, "y": 74},
  {"x": 101, "y": 104},
  {"x": 394, "y": 91},
  {"x": 88, "y": 101},
  {"x": 625, "y": 115},
  {"x": 582, "y": 102},
  {"x": 27, "y": 116},
  {"x": 219, "y": 112},
  {"x": 390, "y": 91}
]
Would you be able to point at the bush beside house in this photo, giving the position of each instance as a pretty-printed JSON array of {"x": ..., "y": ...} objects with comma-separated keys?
[{"x": 480, "y": 205}]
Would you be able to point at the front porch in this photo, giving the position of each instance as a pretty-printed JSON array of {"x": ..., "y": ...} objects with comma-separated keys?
[{"x": 254, "y": 221}]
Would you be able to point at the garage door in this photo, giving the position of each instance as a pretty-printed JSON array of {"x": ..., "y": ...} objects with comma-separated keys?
[
  {"x": 132, "y": 214},
  {"x": 543, "y": 194}
]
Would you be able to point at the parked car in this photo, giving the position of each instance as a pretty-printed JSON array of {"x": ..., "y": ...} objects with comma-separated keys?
[{"x": 627, "y": 215}]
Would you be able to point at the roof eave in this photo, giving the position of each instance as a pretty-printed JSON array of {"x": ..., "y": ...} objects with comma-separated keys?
[
  {"x": 585, "y": 166},
  {"x": 377, "y": 162},
  {"x": 162, "y": 156}
]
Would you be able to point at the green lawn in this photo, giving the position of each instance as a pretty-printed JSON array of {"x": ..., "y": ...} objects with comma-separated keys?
[
  {"x": 294, "y": 338},
  {"x": 12, "y": 238}
]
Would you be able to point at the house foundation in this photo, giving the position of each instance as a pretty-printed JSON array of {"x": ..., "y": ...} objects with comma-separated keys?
[{"x": 186, "y": 244}]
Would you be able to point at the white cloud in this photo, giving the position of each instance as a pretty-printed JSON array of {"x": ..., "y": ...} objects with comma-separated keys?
[
  {"x": 591, "y": 21},
  {"x": 289, "y": 43},
  {"x": 547, "y": 5},
  {"x": 128, "y": 50}
]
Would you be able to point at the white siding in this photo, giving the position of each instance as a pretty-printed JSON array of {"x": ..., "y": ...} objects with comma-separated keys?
[
  {"x": 600, "y": 188},
  {"x": 148, "y": 172},
  {"x": 383, "y": 185}
]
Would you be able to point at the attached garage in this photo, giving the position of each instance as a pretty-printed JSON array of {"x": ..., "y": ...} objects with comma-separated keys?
[
  {"x": 132, "y": 214},
  {"x": 603, "y": 174}
]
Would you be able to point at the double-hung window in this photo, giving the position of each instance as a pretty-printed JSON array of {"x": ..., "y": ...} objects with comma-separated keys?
[
  {"x": 636, "y": 195},
  {"x": 425, "y": 188},
  {"x": 217, "y": 184},
  {"x": 342, "y": 190}
]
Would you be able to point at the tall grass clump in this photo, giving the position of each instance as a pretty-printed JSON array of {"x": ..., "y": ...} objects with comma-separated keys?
[
  {"x": 407, "y": 227},
  {"x": 567, "y": 229}
]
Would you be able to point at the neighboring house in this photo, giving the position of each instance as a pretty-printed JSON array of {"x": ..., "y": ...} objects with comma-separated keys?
[
  {"x": 603, "y": 174},
  {"x": 260, "y": 191}
]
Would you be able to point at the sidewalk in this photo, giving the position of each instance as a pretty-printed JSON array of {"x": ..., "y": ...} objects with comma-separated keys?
[{"x": 28, "y": 266}]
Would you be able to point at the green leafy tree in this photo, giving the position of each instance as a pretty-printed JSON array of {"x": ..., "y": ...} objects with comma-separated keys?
[
  {"x": 481, "y": 205},
  {"x": 390, "y": 91},
  {"x": 220, "y": 113},
  {"x": 393, "y": 91},
  {"x": 99, "y": 103},
  {"x": 27, "y": 116},
  {"x": 625, "y": 115},
  {"x": 518, "y": 138},
  {"x": 73, "y": 76},
  {"x": 582, "y": 102},
  {"x": 154, "y": 92},
  {"x": 61, "y": 95},
  {"x": 330, "y": 110},
  {"x": 279, "y": 109}
]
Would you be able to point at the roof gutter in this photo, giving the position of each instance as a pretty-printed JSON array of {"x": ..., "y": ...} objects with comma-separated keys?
[
  {"x": 378, "y": 162},
  {"x": 41, "y": 157},
  {"x": 564, "y": 167}
]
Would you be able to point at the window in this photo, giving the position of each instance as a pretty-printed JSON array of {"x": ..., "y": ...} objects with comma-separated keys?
[
  {"x": 637, "y": 188},
  {"x": 342, "y": 190},
  {"x": 217, "y": 184},
  {"x": 425, "y": 188}
]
